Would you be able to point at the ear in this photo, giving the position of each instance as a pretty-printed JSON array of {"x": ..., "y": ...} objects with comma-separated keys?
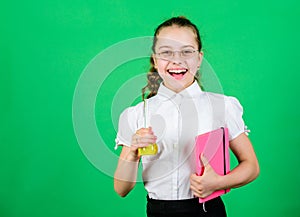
[
  {"x": 154, "y": 61},
  {"x": 200, "y": 57}
]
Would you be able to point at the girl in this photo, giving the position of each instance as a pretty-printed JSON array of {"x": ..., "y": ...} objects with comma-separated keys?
[{"x": 178, "y": 110}]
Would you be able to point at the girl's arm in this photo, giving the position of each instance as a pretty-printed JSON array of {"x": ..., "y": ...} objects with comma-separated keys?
[
  {"x": 126, "y": 172},
  {"x": 248, "y": 167},
  {"x": 246, "y": 171}
]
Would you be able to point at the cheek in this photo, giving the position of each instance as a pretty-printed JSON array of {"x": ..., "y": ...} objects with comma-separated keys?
[
  {"x": 161, "y": 66},
  {"x": 193, "y": 66}
]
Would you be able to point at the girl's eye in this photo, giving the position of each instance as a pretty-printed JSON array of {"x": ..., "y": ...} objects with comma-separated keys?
[
  {"x": 187, "y": 52},
  {"x": 167, "y": 53}
]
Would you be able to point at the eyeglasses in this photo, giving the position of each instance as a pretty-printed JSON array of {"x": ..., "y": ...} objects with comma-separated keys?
[{"x": 185, "y": 53}]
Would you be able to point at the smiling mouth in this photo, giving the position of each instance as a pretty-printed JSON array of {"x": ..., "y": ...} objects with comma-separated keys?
[{"x": 177, "y": 73}]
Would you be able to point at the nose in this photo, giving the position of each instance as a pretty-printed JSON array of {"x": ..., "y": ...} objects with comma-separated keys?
[{"x": 176, "y": 59}]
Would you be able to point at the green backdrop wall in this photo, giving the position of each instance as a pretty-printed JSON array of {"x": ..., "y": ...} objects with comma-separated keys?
[{"x": 253, "y": 47}]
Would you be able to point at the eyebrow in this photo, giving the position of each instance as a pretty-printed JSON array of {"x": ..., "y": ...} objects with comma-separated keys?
[{"x": 184, "y": 46}]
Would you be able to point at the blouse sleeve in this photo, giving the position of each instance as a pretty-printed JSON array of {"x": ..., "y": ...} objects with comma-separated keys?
[
  {"x": 234, "y": 119},
  {"x": 127, "y": 127}
]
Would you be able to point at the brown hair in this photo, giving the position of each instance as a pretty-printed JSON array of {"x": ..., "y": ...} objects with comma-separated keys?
[{"x": 153, "y": 77}]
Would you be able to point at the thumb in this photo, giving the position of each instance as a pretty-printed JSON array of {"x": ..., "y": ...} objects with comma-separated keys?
[{"x": 204, "y": 161}]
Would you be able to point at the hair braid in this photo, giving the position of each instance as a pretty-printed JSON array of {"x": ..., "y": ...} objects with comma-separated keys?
[{"x": 153, "y": 83}]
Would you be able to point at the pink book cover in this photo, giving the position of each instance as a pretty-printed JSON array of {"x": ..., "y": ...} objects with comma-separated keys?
[{"x": 215, "y": 147}]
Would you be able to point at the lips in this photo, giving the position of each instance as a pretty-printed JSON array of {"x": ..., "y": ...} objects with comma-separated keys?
[{"x": 177, "y": 73}]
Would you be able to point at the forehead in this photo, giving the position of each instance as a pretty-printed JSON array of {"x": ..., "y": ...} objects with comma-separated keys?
[{"x": 175, "y": 36}]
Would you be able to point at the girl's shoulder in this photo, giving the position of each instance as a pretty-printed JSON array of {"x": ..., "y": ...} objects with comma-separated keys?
[
  {"x": 134, "y": 108},
  {"x": 139, "y": 107},
  {"x": 221, "y": 98}
]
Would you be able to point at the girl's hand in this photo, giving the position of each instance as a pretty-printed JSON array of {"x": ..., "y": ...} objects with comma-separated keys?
[
  {"x": 142, "y": 138},
  {"x": 204, "y": 185}
]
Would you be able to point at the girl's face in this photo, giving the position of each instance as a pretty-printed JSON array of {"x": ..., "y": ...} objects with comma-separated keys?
[{"x": 176, "y": 57}]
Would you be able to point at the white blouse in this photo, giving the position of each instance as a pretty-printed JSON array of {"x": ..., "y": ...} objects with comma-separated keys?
[{"x": 176, "y": 119}]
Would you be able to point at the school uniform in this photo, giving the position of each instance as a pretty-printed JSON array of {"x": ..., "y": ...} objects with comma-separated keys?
[{"x": 176, "y": 119}]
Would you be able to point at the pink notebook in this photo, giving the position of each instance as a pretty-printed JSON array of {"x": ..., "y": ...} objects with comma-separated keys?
[{"x": 215, "y": 147}]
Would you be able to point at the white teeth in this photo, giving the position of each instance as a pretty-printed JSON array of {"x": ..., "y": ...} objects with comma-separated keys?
[{"x": 177, "y": 71}]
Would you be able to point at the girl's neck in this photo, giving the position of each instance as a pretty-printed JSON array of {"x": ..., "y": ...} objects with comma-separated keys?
[{"x": 179, "y": 88}]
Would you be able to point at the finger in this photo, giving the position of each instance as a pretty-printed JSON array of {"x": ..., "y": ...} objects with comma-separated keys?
[
  {"x": 196, "y": 181},
  {"x": 195, "y": 184},
  {"x": 197, "y": 192},
  {"x": 146, "y": 142},
  {"x": 136, "y": 139},
  {"x": 150, "y": 130},
  {"x": 146, "y": 138},
  {"x": 147, "y": 135},
  {"x": 193, "y": 177},
  {"x": 139, "y": 142},
  {"x": 144, "y": 131},
  {"x": 149, "y": 140}
]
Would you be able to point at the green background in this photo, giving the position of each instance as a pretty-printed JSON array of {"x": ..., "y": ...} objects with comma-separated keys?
[{"x": 253, "y": 46}]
